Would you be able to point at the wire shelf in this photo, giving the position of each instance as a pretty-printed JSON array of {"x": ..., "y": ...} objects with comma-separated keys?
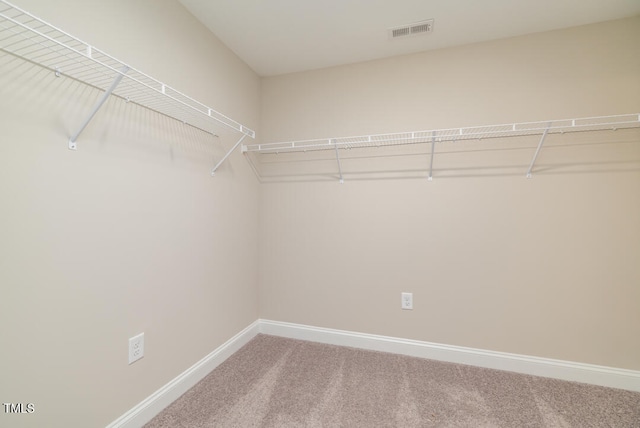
[
  {"x": 453, "y": 134},
  {"x": 34, "y": 40}
]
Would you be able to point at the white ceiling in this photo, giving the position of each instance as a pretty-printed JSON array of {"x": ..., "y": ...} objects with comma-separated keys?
[{"x": 283, "y": 36}]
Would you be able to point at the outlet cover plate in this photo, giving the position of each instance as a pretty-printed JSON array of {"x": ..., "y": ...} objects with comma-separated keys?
[
  {"x": 136, "y": 348},
  {"x": 407, "y": 300}
]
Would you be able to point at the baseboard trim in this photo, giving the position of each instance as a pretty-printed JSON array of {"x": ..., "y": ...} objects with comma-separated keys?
[
  {"x": 546, "y": 367},
  {"x": 156, "y": 402}
]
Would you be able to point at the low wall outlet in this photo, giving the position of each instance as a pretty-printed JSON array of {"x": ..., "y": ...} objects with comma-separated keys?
[
  {"x": 407, "y": 300},
  {"x": 136, "y": 348}
]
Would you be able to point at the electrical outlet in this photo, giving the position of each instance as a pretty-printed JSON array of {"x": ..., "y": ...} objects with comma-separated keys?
[
  {"x": 407, "y": 300},
  {"x": 136, "y": 348}
]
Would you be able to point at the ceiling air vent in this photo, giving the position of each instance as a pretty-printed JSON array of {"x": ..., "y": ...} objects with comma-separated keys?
[{"x": 415, "y": 29}]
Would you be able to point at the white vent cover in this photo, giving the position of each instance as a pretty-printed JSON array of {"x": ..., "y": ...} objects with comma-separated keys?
[{"x": 415, "y": 29}]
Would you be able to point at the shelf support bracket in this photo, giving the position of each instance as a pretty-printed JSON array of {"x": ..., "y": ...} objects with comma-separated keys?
[
  {"x": 535, "y": 156},
  {"x": 103, "y": 98},
  {"x": 433, "y": 149},
  {"x": 338, "y": 159},
  {"x": 215, "y": 168}
]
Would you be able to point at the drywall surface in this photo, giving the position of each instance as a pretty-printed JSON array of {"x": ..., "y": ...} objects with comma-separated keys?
[
  {"x": 545, "y": 267},
  {"x": 129, "y": 233}
]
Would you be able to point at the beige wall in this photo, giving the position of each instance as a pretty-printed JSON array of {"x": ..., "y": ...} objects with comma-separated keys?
[
  {"x": 547, "y": 267},
  {"x": 130, "y": 233}
]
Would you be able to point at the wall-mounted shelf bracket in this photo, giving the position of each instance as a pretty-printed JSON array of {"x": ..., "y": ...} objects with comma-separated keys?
[
  {"x": 433, "y": 149},
  {"x": 535, "y": 155},
  {"x": 101, "y": 101},
  {"x": 235, "y": 146},
  {"x": 338, "y": 159}
]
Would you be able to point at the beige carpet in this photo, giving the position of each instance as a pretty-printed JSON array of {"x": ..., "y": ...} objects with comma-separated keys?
[{"x": 277, "y": 382}]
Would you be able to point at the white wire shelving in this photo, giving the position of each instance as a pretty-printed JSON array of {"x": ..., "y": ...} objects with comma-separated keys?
[
  {"x": 32, "y": 39},
  {"x": 542, "y": 128}
]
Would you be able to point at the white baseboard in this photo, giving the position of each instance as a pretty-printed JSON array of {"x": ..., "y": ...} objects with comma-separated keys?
[
  {"x": 546, "y": 367},
  {"x": 156, "y": 402}
]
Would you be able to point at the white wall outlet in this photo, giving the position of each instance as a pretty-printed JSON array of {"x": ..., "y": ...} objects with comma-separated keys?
[
  {"x": 407, "y": 300},
  {"x": 136, "y": 348}
]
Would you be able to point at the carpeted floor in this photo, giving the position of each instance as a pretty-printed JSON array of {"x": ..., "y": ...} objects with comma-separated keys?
[{"x": 278, "y": 382}]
